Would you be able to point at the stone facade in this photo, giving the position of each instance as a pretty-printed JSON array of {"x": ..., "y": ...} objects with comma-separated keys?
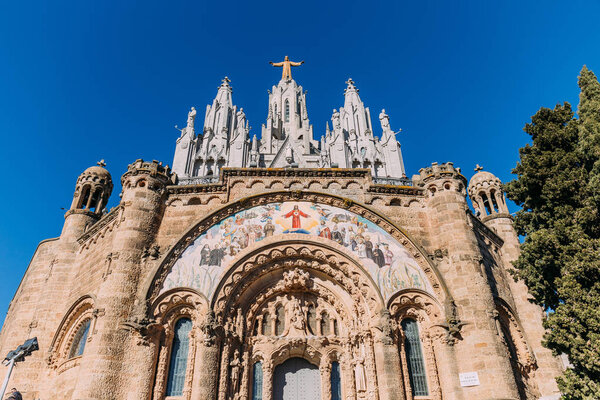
[{"x": 271, "y": 264}]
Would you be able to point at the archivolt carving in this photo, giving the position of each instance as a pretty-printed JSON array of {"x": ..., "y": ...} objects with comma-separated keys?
[
  {"x": 307, "y": 256},
  {"x": 526, "y": 358}
]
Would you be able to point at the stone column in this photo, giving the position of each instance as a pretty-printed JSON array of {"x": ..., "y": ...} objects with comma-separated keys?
[
  {"x": 325, "y": 370},
  {"x": 447, "y": 368},
  {"x": 206, "y": 372},
  {"x": 268, "y": 380},
  {"x": 142, "y": 366},
  {"x": 389, "y": 377}
]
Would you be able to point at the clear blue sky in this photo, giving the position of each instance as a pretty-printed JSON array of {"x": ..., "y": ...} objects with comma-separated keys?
[{"x": 84, "y": 80}]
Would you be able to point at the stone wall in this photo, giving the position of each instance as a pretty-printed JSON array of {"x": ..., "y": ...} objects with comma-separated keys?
[{"x": 104, "y": 270}]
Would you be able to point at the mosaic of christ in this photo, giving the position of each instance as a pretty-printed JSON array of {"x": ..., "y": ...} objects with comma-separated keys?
[{"x": 204, "y": 262}]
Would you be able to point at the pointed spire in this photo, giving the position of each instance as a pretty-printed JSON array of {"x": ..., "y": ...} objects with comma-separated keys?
[{"x": 254, "y": 143}]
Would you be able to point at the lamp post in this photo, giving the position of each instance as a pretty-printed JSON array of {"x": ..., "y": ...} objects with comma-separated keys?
[{"x": 17, "y": 355}]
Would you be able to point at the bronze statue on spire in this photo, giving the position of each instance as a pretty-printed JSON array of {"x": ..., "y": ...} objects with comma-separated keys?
[{"x": 287, "y": 65}]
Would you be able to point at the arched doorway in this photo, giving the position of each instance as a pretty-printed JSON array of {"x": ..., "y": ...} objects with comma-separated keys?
[{"x": 296, "y": 379}]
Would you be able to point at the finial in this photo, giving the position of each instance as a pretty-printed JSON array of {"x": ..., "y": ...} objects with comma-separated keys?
[
  {"x": 350, "y": 82},
  {"x": 478, "y": 168},
  {"x": 101, "y": 163},
  {"x": 226, "y": 81}
]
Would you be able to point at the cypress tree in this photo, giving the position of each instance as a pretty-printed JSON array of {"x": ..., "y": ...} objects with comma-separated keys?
[{"x": 558, "y": 188}]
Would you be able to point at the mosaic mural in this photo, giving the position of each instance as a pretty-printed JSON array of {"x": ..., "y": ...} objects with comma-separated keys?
[{"x": 204, "y": 262}]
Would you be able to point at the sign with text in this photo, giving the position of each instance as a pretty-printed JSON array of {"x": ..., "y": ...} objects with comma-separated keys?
[{"x": 468, "y": 379}]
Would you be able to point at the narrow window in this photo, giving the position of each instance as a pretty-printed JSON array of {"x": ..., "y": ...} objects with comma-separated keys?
[
  {"x": 325, "y": 329},
  {"x": 257, "y": 382},
  {"x": 336, "y": 384},
  {"x": 486, "y": 203},
  {"x": 287, "y": 110},
  {"x": 493, "y": 197},
  {"x": 266, "y": 327},
  {"x": 279, "y": 320},
  {"x": 85, "y": 195},
  {"x": 414, "y": 358},
  {"x": 80, "y": 339},
  {"x": 335, "y": 328},
  {"x": 95, "y": 199},
  {"x": 179, "y": 354},
  {"x": 312, "y": 319}
]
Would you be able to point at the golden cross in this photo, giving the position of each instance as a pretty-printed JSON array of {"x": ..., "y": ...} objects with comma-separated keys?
[{"x": 286, "y": 73}]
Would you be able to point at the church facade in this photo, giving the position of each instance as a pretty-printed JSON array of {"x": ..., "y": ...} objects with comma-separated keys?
[{"x": 281, "y": 268}]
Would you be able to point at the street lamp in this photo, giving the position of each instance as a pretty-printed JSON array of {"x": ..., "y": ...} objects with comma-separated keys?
[{"x": 17, "y": 355}]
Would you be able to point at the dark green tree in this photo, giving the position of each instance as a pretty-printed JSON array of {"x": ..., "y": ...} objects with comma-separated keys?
[{"x": 558, "y": 188}]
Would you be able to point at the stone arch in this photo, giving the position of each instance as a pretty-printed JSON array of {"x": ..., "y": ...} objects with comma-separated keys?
[
  {"x": 165, "y": 312},
  {"x": 326, "y": 261},
  {"x": 431, "y": 319},
  {"x": 522, "y": 359},
  {"x": 153, "y": 284},
  {"x": 81, "y": 311}
]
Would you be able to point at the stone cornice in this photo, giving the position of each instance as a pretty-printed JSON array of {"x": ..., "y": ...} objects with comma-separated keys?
[
  {"x": 357, "y": 173},
  {"x": 485, "y": 230},
  {"x": 97, "y": 227}
]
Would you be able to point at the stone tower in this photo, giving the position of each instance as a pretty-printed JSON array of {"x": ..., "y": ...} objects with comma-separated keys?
[{"x": 489, "y": 202}]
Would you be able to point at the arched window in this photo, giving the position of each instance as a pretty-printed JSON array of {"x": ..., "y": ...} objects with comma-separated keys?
[
  {"x": 494, "y": 203},
  {"x": 414, "y": 358},
  {"x": 287, "y": 110},
  {"x": 486, "y": 203},
  {"x": 335, "y": 327},
  {"x": 257, "y": 381},
  {"x": 80, "y": 339},
  {"x": 279, "y": 320},
  {"x": 179, "y": 354},
  {"x": 336, "y": 383},
  {"x": 266, "y": 326},
  {"x": 95, "y": 199},
  {"x": 85, "y": 195}
]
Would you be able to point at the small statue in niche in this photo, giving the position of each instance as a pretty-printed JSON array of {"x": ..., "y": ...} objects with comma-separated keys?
[
  {"x": 360, "y": 374},
  {"x": 235, "y": 365}
]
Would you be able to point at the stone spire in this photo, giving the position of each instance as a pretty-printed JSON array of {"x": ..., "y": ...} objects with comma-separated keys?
[
  {"x": 288, "y": 126},
  {"x": 223, "y": 142},
  {"x": 287, "y": 139},
  {"x": 352, "y": 143}
]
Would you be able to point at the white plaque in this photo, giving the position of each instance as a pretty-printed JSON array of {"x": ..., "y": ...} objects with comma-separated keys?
[{"x": 469, "y": 379}]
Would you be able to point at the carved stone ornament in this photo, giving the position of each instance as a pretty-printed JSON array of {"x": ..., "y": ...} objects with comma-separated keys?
[{"x": 296, "y": 279}]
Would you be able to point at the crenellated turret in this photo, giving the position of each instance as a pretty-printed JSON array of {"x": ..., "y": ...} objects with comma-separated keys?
[{"x": 143, "y": 201}]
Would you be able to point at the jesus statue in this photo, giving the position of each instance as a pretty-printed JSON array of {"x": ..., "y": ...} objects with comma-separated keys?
[{"x": 287, "y": 65}]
